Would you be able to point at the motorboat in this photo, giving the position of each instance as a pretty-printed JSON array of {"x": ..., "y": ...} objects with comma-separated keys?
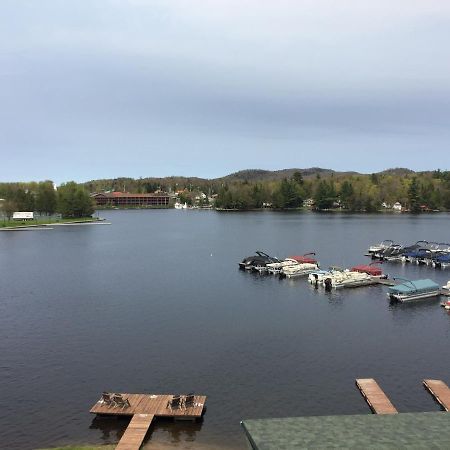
[
  {"x": 277, "y": 267},
  {"x": 419, "y": 256},
  {"x": 179, "y": 205},
  {"x": 318, "y": 276},
  {"x": 376, "y": 248},
  {"x": 411, "y": 290},
  {"x": 351, "y": 279},
  {"x": 446, "y": 287},
  {"x": 297, "y": 270},
  {"x": 392, "y": 253},
  {"x": 257, "y": 262},
  {"x": 441, "y": 260}
]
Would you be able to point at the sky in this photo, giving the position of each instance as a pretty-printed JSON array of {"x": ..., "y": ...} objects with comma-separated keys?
[{"x": 109, "y": 88}]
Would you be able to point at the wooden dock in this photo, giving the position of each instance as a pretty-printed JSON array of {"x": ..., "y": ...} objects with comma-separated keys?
[
  {"x": 377, "y": 400},
  {"x": 144, "y": 408},
  {"x": 440, "y": 391}
]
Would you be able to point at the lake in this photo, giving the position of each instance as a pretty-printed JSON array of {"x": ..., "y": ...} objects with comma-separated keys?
[{"x": 155, "y": 303}]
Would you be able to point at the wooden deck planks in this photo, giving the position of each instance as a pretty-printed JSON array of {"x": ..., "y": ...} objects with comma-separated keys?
[
  {"x": 150, "y": 404},
  {"x": 440, "y": 391},
  {"x": 377, "y": 400},
  {"x": 135, "y": 433}
]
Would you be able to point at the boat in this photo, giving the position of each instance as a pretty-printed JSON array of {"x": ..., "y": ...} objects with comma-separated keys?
[
  {"x": 441, "y": 260},
  {"x": 297, "y": 270},
  {"x": 446, "y": 304},
  {"x": 258, "y": 261},
  {"x": 414, "y": 290},
  {"x": 349, "y": 279},
  {"x": 376, "y": 248},
  {"x": 392, "y": 253},
  {"x": 418, "y": 256},
  {"x": 318, "y": 276},
  {"x": 179, "y": 205},
  {"x": 277, "y": 267},
  {"x": 446, "y": 287}
]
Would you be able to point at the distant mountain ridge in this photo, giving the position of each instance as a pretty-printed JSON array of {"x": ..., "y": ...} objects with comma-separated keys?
[{"x": 250, "y": 175}]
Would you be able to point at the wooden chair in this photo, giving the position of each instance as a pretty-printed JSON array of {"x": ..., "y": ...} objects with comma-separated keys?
[
  {"x": 107, "y": 398},
  {"x": 120, "y": 401},
  {"x": 189, "y": 400},
  {"x": 174, "y": 402}
]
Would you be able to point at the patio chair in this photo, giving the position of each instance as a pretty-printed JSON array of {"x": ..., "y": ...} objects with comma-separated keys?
[
  {"x": 120, "y": 401},
  {"x": 174, "y": 402},
  {"x": 189, "y": 400},
  {"x": 106, "y": 398}
]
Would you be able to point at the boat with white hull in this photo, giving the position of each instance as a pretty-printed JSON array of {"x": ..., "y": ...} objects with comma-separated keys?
[
  {"x": 298, "y": 270},
  {"x": 412, "y": 290}
]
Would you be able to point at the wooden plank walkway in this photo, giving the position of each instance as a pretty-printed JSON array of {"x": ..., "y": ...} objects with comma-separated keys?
[
  {"x": 135, "y": 433},
  {"x": 440, "y": 391},
  {"x": 377, "y": 400}
]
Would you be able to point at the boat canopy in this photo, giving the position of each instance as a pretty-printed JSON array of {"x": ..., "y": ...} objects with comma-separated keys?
[
  {"x": 414, "y": 286},
  {"x": 371, "y": 270},
  {"x": 303, "y": 259}
]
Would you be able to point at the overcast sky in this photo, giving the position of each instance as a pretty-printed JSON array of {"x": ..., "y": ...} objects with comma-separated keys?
[{"x": 108, "y": 88}]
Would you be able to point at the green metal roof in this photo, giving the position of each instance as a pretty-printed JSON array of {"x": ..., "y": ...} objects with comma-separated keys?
[{"x": 369, "y": 431}]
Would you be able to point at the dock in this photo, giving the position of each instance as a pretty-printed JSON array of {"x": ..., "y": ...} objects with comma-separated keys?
[
  {"x": 375, "y": 397},
  {"x": 440, "y": 391},
  {"x": 143, "y": 408},
  {"x": 384, "y": 281}
]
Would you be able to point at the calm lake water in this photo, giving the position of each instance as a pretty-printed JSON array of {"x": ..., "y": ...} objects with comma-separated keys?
[{"x": 155, "y": 303}]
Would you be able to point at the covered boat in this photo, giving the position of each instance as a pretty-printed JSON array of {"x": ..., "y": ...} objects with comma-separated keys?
[
  {"x": 370, "y": 269},
  {"x": 414, "y": 290},
  {"x": 257, "y": 262}
]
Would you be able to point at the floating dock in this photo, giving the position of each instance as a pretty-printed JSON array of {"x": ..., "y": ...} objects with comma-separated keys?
[
  {"x": 377, "y": 400},
  {"x": 144, "y": 408},
  {"x": 440, "y": 391}
]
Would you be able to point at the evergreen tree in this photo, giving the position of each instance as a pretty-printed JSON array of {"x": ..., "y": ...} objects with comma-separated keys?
[{"x": 413, "y": 196}]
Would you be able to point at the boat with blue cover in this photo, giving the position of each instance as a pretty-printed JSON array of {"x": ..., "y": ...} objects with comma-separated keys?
[{"x": 414, "y": 290}]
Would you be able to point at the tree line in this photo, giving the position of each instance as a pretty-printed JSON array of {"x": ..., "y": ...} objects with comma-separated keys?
[
  {"x": 69, "y": 199},
  {"x": 352, "y": 192}
]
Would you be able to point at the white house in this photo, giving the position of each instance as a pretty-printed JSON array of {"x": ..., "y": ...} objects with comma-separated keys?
[{"x": 397, "y": 206}]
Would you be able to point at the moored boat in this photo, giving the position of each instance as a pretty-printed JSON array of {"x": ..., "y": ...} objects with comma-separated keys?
[
  {"x": 258, "y": 261},
  {"x": 297, "y": 270},
  {"x": 370, "y": 269},
  {"x": 414, "y": 290},
  {"x": 376, "y": 248}
]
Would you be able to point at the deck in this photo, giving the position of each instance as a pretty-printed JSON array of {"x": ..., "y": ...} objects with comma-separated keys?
[
  {"x": 440, "y": 391},
  {"x": 143, "y": 409},
  {"x": 151, "y": 404},
  {"x": 377, "y": 400}
]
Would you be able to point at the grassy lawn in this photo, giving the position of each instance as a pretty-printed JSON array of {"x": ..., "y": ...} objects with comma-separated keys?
[
  {"x": 82, "y": 447},
  {"x": 43, "y": 221}
]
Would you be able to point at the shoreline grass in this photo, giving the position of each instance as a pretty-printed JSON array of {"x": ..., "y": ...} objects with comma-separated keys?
[{"x": 45, "y": 221}]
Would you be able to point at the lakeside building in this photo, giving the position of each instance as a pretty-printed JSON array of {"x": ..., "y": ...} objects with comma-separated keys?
[{"x": 125, "y": 199}]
